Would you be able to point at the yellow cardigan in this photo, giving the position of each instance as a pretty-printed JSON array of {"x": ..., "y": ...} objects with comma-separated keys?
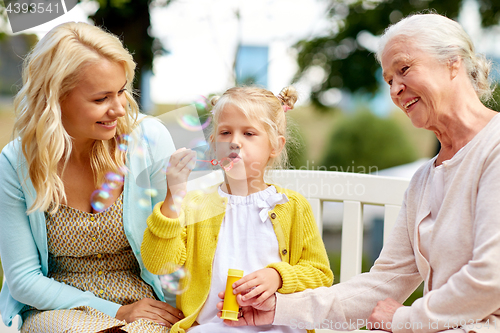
[{"x": 191, "y": 240}]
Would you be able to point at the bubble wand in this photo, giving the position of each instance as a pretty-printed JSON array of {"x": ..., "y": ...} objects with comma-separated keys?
[{"x": 225, "y": 163}]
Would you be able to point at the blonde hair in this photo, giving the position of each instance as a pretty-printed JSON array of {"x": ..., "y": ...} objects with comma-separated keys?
[
  {"x": 51, "y": 70},
  {"x": 446, "y": 40},
  {"x": 263, "y": 106}
]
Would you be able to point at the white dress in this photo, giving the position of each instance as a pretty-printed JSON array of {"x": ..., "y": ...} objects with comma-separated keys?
[{"x": 246, "y": 241}]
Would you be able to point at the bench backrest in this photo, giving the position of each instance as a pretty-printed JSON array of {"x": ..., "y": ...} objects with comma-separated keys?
[{"x": 353, "y": 190}]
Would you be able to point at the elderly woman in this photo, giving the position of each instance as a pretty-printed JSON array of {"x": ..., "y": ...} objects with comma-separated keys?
[
  {"x": 448, "y": 231},
  {"x": 72, "y": 263}
]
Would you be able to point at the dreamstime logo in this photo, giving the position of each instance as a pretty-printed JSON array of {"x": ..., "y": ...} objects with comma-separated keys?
[{"x": 25, "y": 14}]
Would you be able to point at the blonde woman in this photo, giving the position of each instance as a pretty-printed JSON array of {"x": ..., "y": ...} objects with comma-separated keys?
[{"x": 72, "y": 265}]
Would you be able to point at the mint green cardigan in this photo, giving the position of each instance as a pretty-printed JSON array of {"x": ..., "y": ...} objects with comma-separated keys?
[{"x": 23, "y": 238}]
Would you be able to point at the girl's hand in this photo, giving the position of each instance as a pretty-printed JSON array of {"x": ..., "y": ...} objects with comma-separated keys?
[
  {"x": 259, "y": 285},
  {"x": 252, "y": 314},
  {"x": 179, "y": 167},
  {"x": 147, "y": 308}
]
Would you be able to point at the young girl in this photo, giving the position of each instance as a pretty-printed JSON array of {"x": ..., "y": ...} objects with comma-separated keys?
[{"x": 266, "y": 231}]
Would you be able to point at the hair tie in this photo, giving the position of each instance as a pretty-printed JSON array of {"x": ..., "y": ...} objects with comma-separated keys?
[{"x": 283, "y": 104}]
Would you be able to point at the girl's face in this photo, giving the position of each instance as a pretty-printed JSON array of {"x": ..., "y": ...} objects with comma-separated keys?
[
  {"x": 91, "y": 109},
  {"x": 245, "y": 142}
]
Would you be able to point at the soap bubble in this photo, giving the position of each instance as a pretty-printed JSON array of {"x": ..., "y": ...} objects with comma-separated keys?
[
  {"x": 151, "y": 192},
  {"x": 149, "y": 140},
  {"x": 176, "y": 282},
  {"x": 123, "y": 141},
  {"x": 144, "y": 203},
  {"x": 192, "y": 123},
  {"x": 113, "y": 181},
  {"x": 198, "y": 143},
  {"x": 177, "y": 199},
  {"x": 202, "y": 104},
  {"x": 139, "y": 151},
  {"x": 165, "y": 167},
  {"x": 99, "y": 199},
  {"x": 123, "y": 170}
]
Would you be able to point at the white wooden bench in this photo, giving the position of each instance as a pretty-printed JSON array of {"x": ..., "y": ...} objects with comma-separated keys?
[{"x": 353, "y": 190}]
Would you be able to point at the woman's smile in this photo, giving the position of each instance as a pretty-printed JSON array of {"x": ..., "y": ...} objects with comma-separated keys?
[{"x": 108, "y": 124}]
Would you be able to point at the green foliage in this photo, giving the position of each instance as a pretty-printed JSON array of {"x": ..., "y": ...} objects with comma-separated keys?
[
  {"x": 349, "y": 65},
  {"x": 334, "y": 258},
  {"x": 11, "y": 47},
  {"x": 366, "y": 143},
  {"x": 3, "y": 21},
  {"x": 494, "y": 103},
  {"x": 130, "y": 20},
  {"x": 296, "y": 147},
  {"x": 113, "y": 3},
  {"x": 490, "y": 12}
]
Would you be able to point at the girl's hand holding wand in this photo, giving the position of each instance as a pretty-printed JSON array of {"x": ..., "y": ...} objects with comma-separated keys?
[{"x": 179, "y": 167}]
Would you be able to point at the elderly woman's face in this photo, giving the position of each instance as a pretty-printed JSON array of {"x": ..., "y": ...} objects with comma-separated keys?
[
  {"x": 420, "y": 85},
  {"x": 91, "y": 109}
]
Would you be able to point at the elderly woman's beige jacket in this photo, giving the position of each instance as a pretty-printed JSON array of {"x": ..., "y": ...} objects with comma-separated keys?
[{"x": 462, "y": 276}]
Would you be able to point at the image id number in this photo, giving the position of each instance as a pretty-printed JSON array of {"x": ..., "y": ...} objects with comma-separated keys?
[{"x": 32, "y": 8}]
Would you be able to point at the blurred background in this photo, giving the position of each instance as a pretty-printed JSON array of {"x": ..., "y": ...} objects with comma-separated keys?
[{"x": 187, "y": 50}]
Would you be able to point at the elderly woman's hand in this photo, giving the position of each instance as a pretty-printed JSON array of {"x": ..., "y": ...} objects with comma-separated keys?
[
  {"x": 382, "y": 314},
  {"x": 147, "y": 308},
  {"x": 251, "y": 313}
]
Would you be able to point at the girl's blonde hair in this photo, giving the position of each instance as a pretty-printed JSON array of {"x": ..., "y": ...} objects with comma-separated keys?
[
  {"x": 51, "y": 70},
  {"x": 266, "y": 108}
]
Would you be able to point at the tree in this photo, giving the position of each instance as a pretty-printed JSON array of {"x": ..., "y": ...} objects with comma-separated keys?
[
  {"x": 130, "y": 20},
  {"x": 366, "y": 143},
  {"x": 344, "y": 56}
]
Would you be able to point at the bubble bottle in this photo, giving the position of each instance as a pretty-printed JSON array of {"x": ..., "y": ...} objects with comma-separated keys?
[{"x": 230, "y": 309}]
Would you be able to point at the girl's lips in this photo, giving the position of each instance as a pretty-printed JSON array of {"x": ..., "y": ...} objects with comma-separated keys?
[{"x": 234, "y": 157}]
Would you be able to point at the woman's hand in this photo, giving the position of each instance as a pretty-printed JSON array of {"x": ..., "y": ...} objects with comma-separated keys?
[
  {"x": 251, "y": 314},
  {"x": 147, "y": 308},
  {"x": 259, "y": 285},
  {"x": 180, "y": 165},
  {"x": 382, "y": 314}
]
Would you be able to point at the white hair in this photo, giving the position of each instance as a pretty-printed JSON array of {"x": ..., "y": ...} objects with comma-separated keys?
[{"x": 446, "y": 40}]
